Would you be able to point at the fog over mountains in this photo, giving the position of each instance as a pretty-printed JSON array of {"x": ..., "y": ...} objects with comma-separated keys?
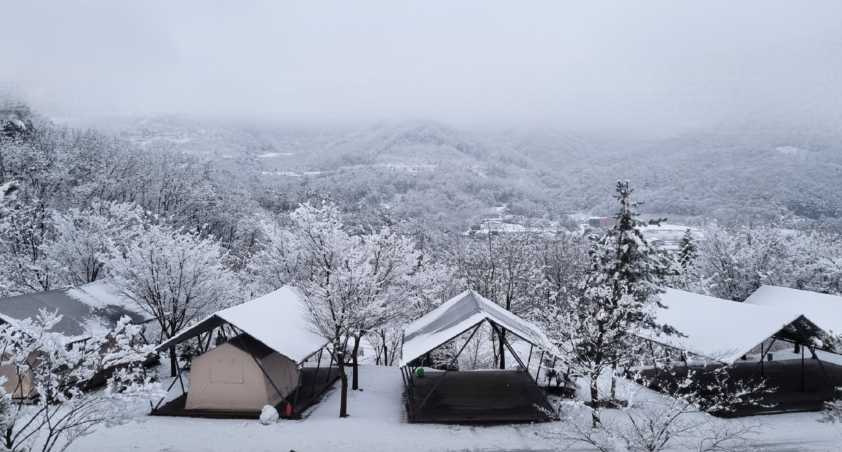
[{"x": 737, "y": 173}]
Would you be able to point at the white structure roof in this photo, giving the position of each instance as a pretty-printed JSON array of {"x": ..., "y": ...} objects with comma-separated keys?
[
  {"x": 822, "y": 309},
  {"x": 714, "y": 328},
  {"x": 458, "y": 315},
  {"x": 280, "y": 320},
  {"x": 93, "y": 308}
]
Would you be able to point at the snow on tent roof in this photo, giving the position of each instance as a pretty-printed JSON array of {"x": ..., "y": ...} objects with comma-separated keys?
[
  {"x": 280, "y": 320},
  {"x": 823, "y": 309},
  {"x": 714, "y": 328},
  {"x": 103, "y": 293},
  {"x": 458, "y": 315},
  {"x": 80, "y": 316}
]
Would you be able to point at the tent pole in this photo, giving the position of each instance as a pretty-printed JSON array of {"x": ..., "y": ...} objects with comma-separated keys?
[
  {"x": 210, "y": 335},
  {"x": 318, "y": 364},
  {"x": 821, "y": 366},
  {"x": 529, "y": 360},
  {"x": 329, "y": 368},
  {"x": 803, "y": 384},
  {"x": 262, "y": 369},
  {"x": 452, "y": 362},
  {"x": 762, "y": 358},
  {"x": 158, "y": 405},
  {"x": 298, "y": 388},
  {"x": 540, "y": 363},
  {"x": 506, "y": 343}
]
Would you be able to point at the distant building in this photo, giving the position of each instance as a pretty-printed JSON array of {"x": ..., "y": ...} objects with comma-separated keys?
[{"x": 600, "y": 222}]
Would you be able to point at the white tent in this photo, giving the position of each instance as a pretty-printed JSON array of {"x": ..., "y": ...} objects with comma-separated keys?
[
  {"x": 458, "y": 315},
  {"x": 269, "y": 339},
  {"x": 823, "y": 309},
  {"x": 719, "y": 329},
  {"x": 280, "y": 320}
]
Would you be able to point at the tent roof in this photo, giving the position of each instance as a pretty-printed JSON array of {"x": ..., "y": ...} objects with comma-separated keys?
[
  {"x": 85, "y": 310},
  {"x": 458, "y": 315},
  {"x": 280, "y": 320},
  {"x": 718, "y": 329},
  {"x": 823, "y": 309}
]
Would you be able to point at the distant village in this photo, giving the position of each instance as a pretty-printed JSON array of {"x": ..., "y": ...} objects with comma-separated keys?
[{"x": 665, "y": 236}]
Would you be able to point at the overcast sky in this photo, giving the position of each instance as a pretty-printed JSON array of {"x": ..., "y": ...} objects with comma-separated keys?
[{"x": 654, "y": 63}]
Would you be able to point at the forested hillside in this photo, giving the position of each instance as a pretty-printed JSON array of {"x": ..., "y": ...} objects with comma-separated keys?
[{"x": 449, "y": 177}]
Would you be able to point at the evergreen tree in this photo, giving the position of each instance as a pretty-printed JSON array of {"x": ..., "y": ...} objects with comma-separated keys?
[
  {"x": 687, "y": 250},
  {"x": 624, "y": 280}
]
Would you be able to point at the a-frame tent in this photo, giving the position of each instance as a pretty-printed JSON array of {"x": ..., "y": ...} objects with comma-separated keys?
[
  {"x": 267, "y": 353},
  {"x": 750, "y": 341},
  {"x": 482, "y": 396},
  {"x": 824, "y": 309}
]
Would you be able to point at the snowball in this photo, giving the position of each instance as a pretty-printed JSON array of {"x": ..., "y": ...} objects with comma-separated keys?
[{"x": 269, "y": 415}]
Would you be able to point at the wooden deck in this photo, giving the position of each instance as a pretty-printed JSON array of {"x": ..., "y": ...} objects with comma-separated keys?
[
  {"x": 313, "y": 385},
  {"x": 785, "y": 378},
  {"x": 476, "y": 397}
]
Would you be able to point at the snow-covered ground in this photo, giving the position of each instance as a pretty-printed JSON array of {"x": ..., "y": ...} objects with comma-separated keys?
[{"x": 377, "y": 424}]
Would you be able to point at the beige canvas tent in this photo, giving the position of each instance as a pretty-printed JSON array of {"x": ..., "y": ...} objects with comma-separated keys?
[
  {"x": 268, "y": 354},
  {"x": 18, "y": 384},
  {"x": 231, "y": 377}
]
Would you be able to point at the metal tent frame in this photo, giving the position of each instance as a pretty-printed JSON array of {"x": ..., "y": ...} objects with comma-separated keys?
[{"x": 408, "y": 371}]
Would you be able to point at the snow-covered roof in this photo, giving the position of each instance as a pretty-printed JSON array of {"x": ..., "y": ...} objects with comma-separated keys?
[
  {"x": 714, "y": 328},
  {"x": 280, "y": 320},
  {"x": 85, "y": 310},
  {"x": 458, "y": 315},
  {"x": 822, "y": 309}
]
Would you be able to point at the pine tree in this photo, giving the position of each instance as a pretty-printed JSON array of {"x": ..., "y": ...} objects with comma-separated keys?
[
  {"x": 625, "y": 277},
  {"x": 687, "y": 251}
]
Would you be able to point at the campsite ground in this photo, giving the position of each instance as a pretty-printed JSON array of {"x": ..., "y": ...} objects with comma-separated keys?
[{"x": 377, "y": 424}]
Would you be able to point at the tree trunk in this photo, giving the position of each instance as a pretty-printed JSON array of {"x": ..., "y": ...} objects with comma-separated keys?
[
  {"x": 343, "y": 378},
  {"x": 355, "y": 370},
  {"x": 386, "y": 361},
  {"x": 614, "y": 381},
  {"x": 173, "y": 363},
  {"x": 502, "y": 348},
  {"x": 594, "y": 401}
]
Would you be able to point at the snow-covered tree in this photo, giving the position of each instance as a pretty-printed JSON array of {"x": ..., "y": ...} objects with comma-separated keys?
[
  {"x": 735, "y": 263},
  {"x": 622, "y": 286},
  {"x": 687, "y": 250},
  {"x": 504, "y": 268},
  {"x": 8, "y": 192},
  {"x": 23, "y": 231},
  {"x": 426, "y": 286},
  {"x": 176, "y": 277},
  {"x": 83, "y": 241},
  {"x": 49, "y": 406},
  {"x": 352, "y": 284}
]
